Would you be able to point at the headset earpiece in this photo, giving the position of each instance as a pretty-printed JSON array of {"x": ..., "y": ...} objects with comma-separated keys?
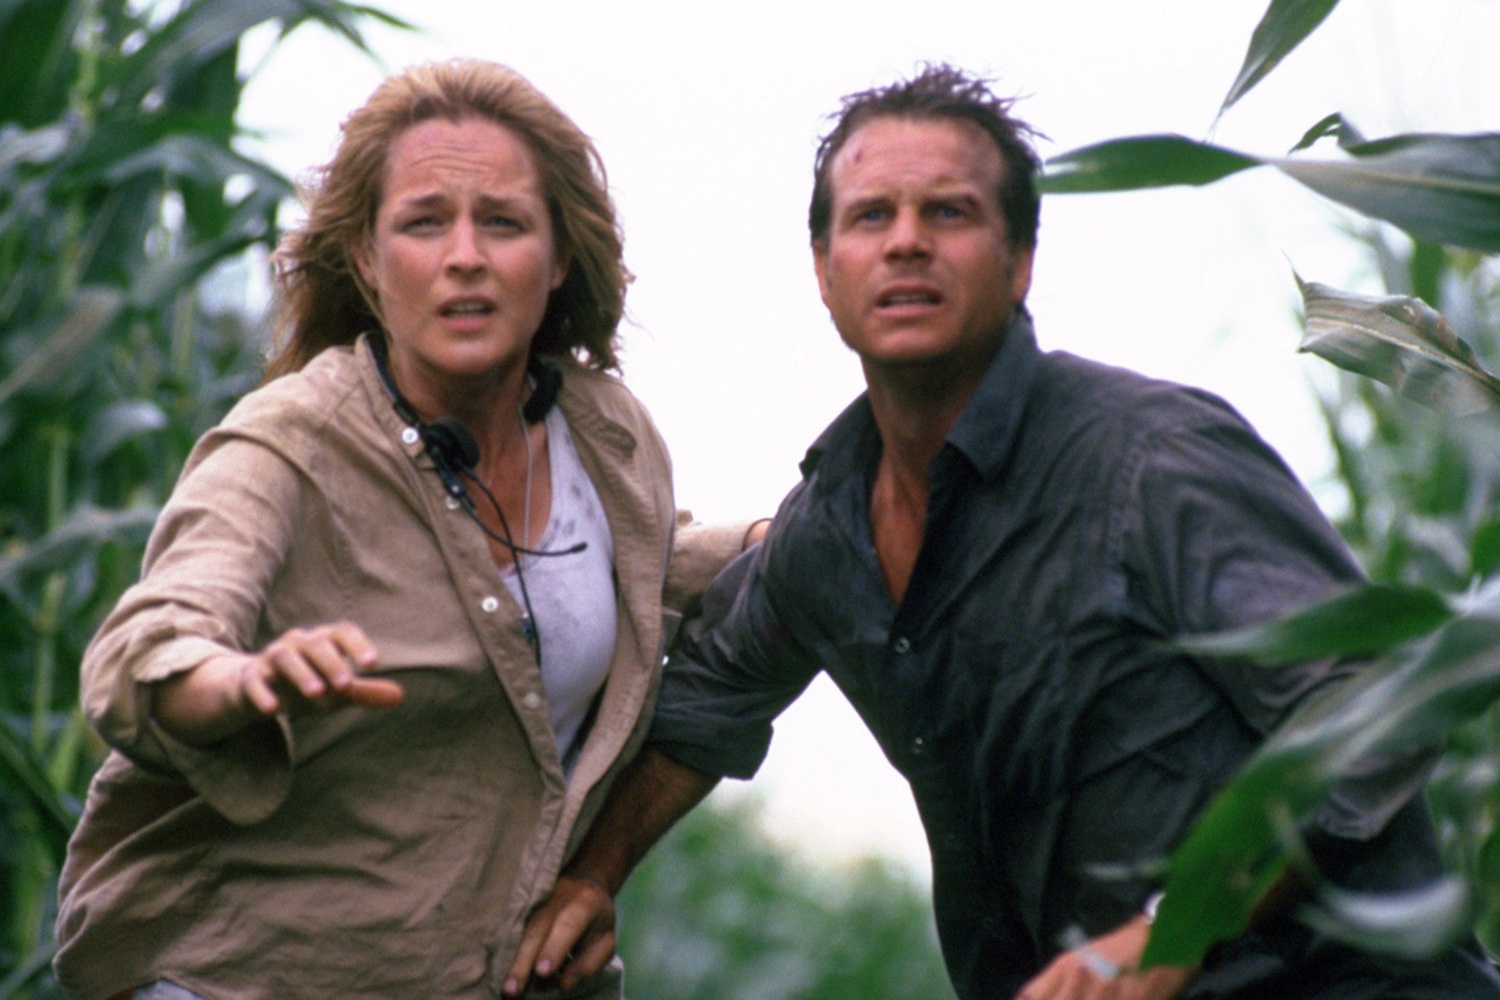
[{"x": 547, "y": 379}]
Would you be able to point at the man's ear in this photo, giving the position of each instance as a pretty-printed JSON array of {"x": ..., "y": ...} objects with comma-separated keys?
[
  {"x": 1020, "y": 272},
  {"x": 820, "y": 266}
]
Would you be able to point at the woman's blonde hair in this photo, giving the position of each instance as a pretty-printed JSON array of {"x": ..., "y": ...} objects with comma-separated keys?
[{"x": 322, "y": 301}]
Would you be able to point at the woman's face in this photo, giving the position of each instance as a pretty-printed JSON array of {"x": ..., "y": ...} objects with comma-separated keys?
[{"x": 462, "y": 259}]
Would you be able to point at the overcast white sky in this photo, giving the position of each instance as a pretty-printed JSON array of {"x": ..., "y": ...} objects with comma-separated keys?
[{"x": 706, "y": 115}]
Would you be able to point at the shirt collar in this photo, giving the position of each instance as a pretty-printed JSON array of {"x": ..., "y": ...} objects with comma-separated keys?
[
  {"x": 983, "y": 433},
  {"x": 989, "y": 425}
]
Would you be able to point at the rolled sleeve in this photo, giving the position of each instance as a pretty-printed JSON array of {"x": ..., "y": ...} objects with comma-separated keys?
[
  {"x": 212, "y": 557},
  {"x": 245, "y": 777},
  {"x": 728, "y": 677}
]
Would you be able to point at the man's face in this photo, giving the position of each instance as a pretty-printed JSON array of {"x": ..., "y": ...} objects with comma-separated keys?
[{"x": 917, "y": 267}]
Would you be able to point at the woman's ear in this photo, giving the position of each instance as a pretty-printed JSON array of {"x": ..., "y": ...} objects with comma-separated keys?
[
  {"x": 562, "y": 261},
  {"x": 364, "y": 265}
]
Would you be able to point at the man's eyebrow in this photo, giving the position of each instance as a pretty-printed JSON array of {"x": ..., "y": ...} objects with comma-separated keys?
[{"x": 958, "y": 190}]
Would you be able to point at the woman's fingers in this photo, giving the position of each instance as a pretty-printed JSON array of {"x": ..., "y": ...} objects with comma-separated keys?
[
  {"x": 374, "y": 692},
  {"x": 323, "y": 666}
]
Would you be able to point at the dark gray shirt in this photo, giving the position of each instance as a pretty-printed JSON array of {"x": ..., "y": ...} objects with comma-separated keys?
[{"x": 1080, "y": 515}]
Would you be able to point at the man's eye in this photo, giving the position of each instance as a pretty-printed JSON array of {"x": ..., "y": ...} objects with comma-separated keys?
[
  {"x": 502, "y": 222},
  {"x": 419, "y": 222}
]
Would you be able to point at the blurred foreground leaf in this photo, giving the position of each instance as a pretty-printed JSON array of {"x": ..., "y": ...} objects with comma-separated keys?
[
  {"x": 1359, "y": 622},
  {"x": 1417, "y": 924},
  {"x": 1411, "y": 698}
]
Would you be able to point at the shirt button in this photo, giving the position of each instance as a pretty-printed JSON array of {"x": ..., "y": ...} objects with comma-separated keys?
[
  {"x": 918, "y": 746},
  {"x": 452, "y": 503},
  {"x": 490, "y": 604},
  {"x": 410, "y": 435},
  {"x": 901, "y": 645},
  {"x": 532, "y": 700}
]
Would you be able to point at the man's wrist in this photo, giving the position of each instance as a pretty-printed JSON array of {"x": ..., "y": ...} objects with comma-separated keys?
[
  {"x": 598, "y": 883},
  {"x": 755, "y": 532}
]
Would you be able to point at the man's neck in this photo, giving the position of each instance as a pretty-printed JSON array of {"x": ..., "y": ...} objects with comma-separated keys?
[
  {"x": 912, "y": 426},
  {"x": 915, "y": 407}
]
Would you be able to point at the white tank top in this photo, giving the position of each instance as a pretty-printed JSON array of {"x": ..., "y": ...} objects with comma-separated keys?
[{"x": 572, "y": 596}]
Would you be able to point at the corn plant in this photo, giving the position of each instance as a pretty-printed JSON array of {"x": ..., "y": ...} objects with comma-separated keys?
[
  {"x": 122, "y": 200},
  {"x": 1422, "y": 487}
]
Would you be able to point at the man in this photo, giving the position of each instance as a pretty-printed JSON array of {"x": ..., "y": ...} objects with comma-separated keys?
[{"x": 986, "y": 553}]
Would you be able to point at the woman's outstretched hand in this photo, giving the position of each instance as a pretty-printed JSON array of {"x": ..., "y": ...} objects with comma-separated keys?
[{"x": 306, "y": 669}]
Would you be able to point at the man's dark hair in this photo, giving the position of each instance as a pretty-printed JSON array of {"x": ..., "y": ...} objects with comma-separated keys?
[{"x": 939, "y": 92}]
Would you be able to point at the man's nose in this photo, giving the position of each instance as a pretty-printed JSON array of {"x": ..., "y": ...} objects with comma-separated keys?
[{"x": 908, "y": 236}]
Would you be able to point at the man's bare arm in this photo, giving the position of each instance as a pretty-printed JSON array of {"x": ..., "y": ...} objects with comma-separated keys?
[{"x": 572, "y": 934}]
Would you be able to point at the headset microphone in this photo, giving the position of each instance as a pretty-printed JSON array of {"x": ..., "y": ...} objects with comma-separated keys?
[{"x": 454, "y": 452}]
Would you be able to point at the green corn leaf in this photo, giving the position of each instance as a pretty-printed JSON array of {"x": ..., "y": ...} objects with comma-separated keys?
[
  {"x": 1147, "y": 161},
  {"x": 1247, "y": 835},
  {"x": 198, "y": 34},
  {"x": 36, "y": 53},
  {"x": 24, "y": 776},
  {"x": 119, "y": 422},
  {"x": 85, "y": 529},
  {"x": 1400, "y": 341},
  {"x": 1440, "y": 188},
  {"x": 1444, "y": 189},
  {"x": 1415, "y": 924},
  {"x": 1359, "y": 622},
  {"x": 1232, "y": 857},
  {"x": 91, "y": 313},
  {"x": 1284, "y": 26}
]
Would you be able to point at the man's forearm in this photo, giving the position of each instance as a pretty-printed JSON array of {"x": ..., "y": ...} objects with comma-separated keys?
[
  {"x": 652, "y": 794},
  {"x": 571, "y": 935}
]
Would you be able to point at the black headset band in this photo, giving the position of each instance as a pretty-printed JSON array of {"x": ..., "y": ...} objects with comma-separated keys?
[{"x": 546, "y": 378}]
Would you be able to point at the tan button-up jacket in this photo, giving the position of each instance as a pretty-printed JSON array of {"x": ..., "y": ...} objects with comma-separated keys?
[{"x": 380, "y": 854}]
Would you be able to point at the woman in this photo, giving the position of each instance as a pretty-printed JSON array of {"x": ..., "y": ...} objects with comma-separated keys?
[{"x": 401, "y": 617}]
